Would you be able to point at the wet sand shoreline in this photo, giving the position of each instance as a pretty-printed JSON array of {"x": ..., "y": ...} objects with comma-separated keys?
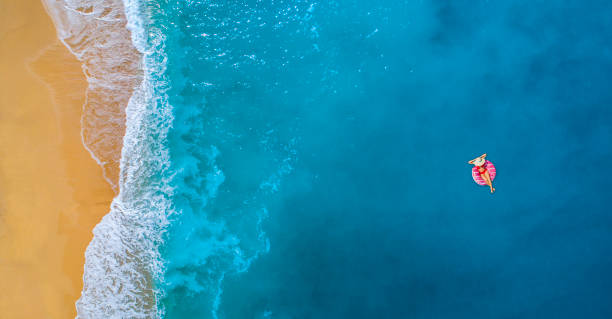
[{"x": 52, "y": 192}]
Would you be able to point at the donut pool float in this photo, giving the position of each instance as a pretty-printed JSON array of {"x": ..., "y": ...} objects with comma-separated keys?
[{"x": 476, "y": 174}]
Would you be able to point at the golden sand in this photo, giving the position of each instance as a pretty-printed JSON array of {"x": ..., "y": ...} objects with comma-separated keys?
[{"x": 52, "y": 192}]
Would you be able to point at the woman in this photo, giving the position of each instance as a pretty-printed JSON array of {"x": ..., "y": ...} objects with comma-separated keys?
[{"x": 480, "y": 162}]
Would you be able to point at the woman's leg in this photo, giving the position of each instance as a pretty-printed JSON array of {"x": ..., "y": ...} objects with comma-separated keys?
[{"x": 487, "y": 179}]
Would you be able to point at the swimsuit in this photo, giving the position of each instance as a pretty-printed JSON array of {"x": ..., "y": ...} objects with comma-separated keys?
[
  {"x": 487, "y": 168},
  {"x": 484, "y": 170}
]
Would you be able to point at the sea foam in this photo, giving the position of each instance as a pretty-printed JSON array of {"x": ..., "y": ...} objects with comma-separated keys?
[
  {"x": 122, "y": 260},
  {"x": 95, "y": 32}
]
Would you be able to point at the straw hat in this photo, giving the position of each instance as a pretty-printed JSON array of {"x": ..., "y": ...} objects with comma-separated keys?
[{"x": 479, "y": 161}]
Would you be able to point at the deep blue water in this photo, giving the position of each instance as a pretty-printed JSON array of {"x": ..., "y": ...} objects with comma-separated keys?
[{"x": 319, "y": 159}]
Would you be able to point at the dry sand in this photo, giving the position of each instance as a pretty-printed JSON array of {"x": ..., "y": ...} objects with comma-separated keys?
[{"x": 52, "y": 192}]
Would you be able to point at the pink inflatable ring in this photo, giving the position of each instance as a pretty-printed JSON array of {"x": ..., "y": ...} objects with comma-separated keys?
[{"x": 476, "y": 174}]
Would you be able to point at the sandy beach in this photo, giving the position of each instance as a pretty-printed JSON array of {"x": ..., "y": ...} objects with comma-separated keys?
[{"x": 52, "y": 192}]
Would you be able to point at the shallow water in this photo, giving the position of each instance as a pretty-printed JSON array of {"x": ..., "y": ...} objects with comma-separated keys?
[{"x": 296, "y": 159}]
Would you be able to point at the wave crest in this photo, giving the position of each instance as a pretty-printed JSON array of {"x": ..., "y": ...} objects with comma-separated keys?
[{"x": 122, "y": 261}]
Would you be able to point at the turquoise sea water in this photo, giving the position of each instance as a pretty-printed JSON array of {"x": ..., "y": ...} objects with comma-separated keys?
[{"x": 302, "y": 159}]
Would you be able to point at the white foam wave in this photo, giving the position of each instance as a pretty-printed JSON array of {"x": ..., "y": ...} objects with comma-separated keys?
[
  {"x": 122, "y": 260},
  {"x": 95, "y": 32}
]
